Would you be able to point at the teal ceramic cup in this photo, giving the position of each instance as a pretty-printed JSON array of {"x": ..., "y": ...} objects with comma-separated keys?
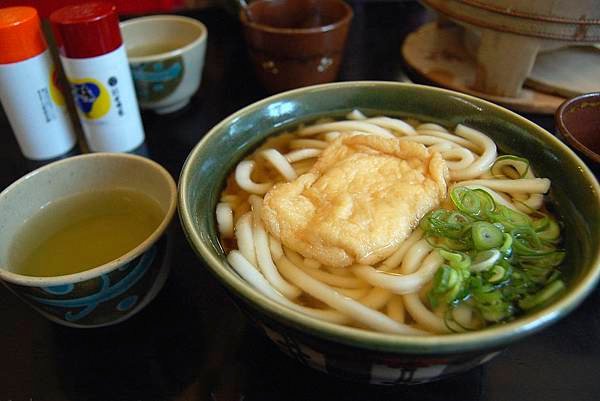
[
  {"x": 109, "y": 293},
  {"x": 357, "y": 354}
]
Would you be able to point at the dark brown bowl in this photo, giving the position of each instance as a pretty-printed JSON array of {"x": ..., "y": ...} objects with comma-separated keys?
[{"x": 578, "y": 121}]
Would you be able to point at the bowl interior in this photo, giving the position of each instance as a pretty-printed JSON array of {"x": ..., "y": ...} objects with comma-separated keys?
[
  {"x": 579, "y": 121},
  {"x": 80, "y": 174},
  {"x": 212, "y": 160},
  {"x": 155, "y": 37},
  {"x": 297, "y": 14}
]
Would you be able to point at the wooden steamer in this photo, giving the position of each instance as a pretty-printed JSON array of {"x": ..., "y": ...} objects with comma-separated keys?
[{"x": 505, "y": 36}]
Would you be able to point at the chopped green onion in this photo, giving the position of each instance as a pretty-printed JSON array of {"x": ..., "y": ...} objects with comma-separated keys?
[
  {"x": 445, "y": 223},
  {"x": 486, "y": 235},
  {"x": 446, "y": 286},
  {"x": 498, "y": 261},
  {"x": 485, "y": 260},
  {"x": 457, "y": 260},
  {"x": 510, "y": 166},
  {"x": 541, "y": 224},
  {"x": 547, "y": 228},
  {"x": 458, "y": 318},
  {"x": 506, "y": 247},
  {"x": 537, "y": 275},
  {"x": 543, "y": 296},
  {"x": 498, "y": 273},
  {"x": 457, "y": 218},
  {"x": 509, "y": 218},
  {"x": 448, "y": 244},
  {"x": 553, "y": 276},
  {"x": 527, "y": 243},
  {"x": 547, "y": 260},
  {"x": 492, "y": 305},
  {"x": 473, "y": 202},
  {"x": 446, "y": 279}
]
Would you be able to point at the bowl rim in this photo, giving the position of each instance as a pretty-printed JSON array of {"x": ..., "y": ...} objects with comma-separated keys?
[
  {"x": 559, "y": 119},
  {"x": 199, "y": 39},
  {"x": 244, "y": 17},
  {"x": 493, "y": 337},
  {"x": 39, "y": 281}
]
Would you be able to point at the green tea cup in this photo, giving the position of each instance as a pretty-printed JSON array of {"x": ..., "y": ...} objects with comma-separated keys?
[{"x": 106, "y": 294}]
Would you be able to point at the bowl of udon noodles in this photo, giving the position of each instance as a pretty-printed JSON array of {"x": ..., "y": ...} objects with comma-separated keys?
[{"x": 391, "y": 233}]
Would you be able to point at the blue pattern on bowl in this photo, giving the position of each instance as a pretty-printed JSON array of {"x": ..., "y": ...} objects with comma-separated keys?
[
  {"x": 106, "y": 299},
  {"x": 106, "y": 292}
]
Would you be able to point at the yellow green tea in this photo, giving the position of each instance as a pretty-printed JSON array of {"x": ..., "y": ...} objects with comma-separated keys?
[
  {"x": 83, "y": 231},
  {"x": 151, "y": 49}
]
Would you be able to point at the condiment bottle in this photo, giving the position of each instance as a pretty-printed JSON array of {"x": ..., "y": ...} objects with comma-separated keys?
[
  {"x": 95, "y": 63},
  {"x": 29, "y": 93}
]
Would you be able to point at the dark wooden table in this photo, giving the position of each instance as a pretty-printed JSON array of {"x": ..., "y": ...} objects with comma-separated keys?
[{"x": 191, "y": 343}]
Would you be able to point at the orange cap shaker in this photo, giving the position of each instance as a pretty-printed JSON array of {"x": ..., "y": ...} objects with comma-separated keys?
[
  {"x": 29, "y": 96},
  {"x": 20, "y": 34}
]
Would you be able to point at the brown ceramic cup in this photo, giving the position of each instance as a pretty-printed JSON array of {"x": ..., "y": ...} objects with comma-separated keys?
[
  {"x": 295, "y": 43},
  {"x": 578, "y": 122}
]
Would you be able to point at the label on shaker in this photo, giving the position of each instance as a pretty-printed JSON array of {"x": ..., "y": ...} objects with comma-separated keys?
[
  {"x": 35, "y": 107},
  {"x": 104, "y": 95}
]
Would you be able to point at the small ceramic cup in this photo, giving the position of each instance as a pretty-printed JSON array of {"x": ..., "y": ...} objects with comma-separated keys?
[
  {"x": 578, "y": 122},
  {"x": 112, "y": 292},
  {"x": 166, "y": 56},
  {"x": 295, "y": 43}
]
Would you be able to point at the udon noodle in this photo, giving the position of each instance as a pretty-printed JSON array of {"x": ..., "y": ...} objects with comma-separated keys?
[{"x": 391, "y": 295}]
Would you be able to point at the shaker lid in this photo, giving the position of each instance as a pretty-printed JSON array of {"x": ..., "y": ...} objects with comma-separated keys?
[
  {"x": 87, "y": 29},
  {"x": 20, "y": 35}
]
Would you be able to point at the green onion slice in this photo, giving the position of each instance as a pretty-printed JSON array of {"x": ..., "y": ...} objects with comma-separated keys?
[
  {"x": 446, "y": 223},
  {"x": 543, "y": 296},
  {"x": 458, "y": 260},
  {"x": 476, "y": 203},
  {"x": 485, "y": 260},
  {"x": 546, "y": 261},
  {"x": 511, "y": 166},
  {"x": 486, "y": 235},
  {"x": 498, "y": 273},
  {"x": 527, "y": 243},
  {"x": 447, "y": 244},
  {"x": 506, "y": 248},
  {"x": 547, "y": 228},
  {"x": 510, "y": 218}
]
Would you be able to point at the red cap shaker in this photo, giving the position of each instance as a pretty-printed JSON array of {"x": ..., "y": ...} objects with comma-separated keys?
[
  {"x": 95, "y": 62},
  {"x": 86, "y": 30}
]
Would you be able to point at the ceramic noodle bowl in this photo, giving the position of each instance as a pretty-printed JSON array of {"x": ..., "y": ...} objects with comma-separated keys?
[{"x": 359, "y": 354}]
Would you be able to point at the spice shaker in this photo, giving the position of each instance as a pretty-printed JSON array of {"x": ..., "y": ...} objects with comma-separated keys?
[
  {"x": 29, "y": 89},
  {"x": 95, "y": 63}
]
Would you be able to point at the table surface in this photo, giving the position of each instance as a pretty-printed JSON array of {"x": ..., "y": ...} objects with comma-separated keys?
[{"x": 191, "y": 343}]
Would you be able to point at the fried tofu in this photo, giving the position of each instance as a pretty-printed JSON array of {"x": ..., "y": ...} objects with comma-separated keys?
[{"x": 359, "y": 202}]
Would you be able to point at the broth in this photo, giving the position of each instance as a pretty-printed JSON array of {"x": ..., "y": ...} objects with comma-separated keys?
[
  {"x": 83, "y": 231},
  {"x": 152, "y": 49}
]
